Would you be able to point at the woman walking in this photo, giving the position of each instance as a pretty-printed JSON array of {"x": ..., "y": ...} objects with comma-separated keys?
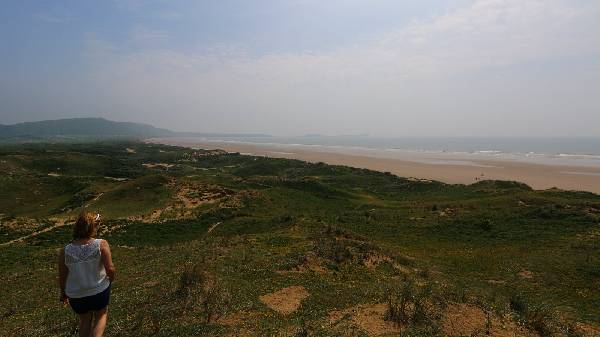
[{"x": 86, "y": 272}]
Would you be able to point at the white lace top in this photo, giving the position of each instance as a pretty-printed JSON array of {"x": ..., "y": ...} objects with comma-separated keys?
[{"x": 87, "y": 275}]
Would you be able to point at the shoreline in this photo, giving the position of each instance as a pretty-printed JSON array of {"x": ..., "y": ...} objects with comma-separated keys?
[{"x": 445, "y": 168}]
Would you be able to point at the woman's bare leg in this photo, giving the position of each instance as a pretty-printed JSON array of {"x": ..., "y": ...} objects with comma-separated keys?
[
  {"x": 100, "y": 318},
  {"x": 85, "y": 324}
]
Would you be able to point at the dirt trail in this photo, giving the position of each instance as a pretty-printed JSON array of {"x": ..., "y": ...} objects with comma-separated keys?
[
  {"x": 96, "y": 198},
  {"x": 213, "y": 227},
  {"x": 58, "y": 224}
]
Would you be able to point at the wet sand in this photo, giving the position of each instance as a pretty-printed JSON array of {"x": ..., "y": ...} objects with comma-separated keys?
[{"x": 445, "y": 169}]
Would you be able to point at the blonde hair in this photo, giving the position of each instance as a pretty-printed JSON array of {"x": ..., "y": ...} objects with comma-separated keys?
[{"x": 86, "y": 225}]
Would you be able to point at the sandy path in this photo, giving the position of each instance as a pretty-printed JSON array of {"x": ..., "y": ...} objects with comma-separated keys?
[
  {"x": 213, "y": 227},
  {"x": 57, "y": 225}
]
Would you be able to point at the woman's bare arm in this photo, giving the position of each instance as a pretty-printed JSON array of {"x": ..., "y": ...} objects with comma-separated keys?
[
  {"x": 107, "y": 260},
  {"x": 63, "y": 272}
]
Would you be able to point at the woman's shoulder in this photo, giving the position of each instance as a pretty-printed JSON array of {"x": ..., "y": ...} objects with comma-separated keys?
[{"x": 103, "y": 243}]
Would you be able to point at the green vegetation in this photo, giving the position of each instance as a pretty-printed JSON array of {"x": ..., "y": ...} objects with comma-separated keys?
[{"x": 200, "y": 237}]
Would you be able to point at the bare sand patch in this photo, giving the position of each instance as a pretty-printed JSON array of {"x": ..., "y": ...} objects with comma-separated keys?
[
  {"x": 187, "y": 197},
  {"x": 158, "y": 165},
  {"x": 286, "y": 300},
  {"x": 524, "y": 273},
  {"x": 372, "y": 260},
  {"x": 128, "y": 150},
  {"x": 461, "y": 319},
  {"x": 116, "y": 179},
  {"x": 155, "y": 215},
  {"x": 496, "y": 282},
  {"x": 587, "y": 330},
  {"x": 447, "y": 212},
  {"x": 240, "y": 199},
  {"x": 107, "y": 229},
  {"x": 402, "y": 269},
  {"x": 192, "y": 196},
  {"x": 370, "y": 318},
  {"x": 230, "y": 320}
]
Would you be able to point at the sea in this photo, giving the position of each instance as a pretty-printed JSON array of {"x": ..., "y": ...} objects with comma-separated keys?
[{"x": 571, "y": 151}]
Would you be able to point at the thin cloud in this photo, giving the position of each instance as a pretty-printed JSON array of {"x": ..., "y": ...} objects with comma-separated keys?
[
  {"x": 421, "y": 79},
  {"x": 165, "y": 15},
  {"x": 52, "y": 18},
  {"x": 146, "y": 36}
]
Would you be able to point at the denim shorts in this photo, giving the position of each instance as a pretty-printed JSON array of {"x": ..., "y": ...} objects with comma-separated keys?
[{"x": 90, "y": 303}]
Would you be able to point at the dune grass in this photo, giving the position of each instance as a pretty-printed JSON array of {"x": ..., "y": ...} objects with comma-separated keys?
[{"x": 498, "y": 245}]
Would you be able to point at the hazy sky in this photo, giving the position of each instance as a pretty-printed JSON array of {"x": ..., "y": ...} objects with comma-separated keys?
[{"x": 382, "y": 67}]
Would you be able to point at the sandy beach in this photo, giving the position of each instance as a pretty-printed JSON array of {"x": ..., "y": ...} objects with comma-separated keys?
[{"x": 441, "y": 167}]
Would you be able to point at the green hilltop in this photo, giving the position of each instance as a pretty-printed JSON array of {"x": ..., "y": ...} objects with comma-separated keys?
[{"x": 220, "y": 244}]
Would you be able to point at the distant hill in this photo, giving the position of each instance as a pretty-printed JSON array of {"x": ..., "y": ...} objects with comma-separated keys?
[
  {"x": 80, "y": 128},
  {"x": 95, "y": 128}
]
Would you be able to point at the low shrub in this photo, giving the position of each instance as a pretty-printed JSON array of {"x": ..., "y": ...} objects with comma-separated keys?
[
  {"x": 199, "y": 290},
  {"x": 410, "y": 305},
  {"x": 539, "y": 317}
]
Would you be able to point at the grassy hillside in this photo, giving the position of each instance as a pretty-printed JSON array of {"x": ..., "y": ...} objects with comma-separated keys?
[{"x": 210, "y": 243}]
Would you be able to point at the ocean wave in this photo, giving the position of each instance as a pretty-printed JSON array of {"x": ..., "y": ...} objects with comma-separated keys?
[
  {"x": 581, "y": 173},
  {"x": 578, "y": 156},
  {"x": 488, "y": 152},
  {"x": 534, "y": 154}
]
